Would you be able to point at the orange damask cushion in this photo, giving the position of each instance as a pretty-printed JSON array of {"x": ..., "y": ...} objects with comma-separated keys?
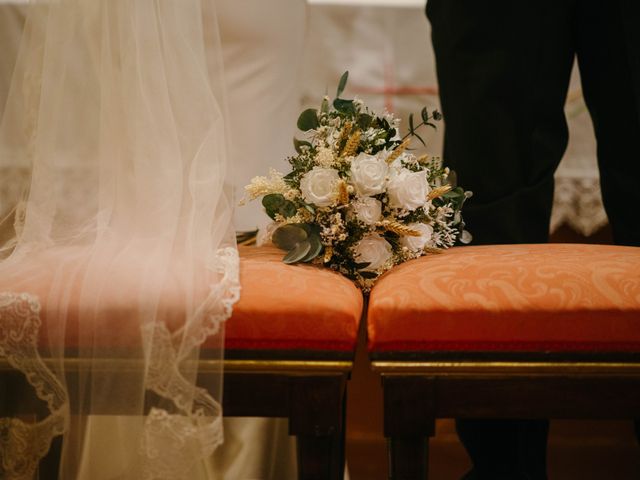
[
  {"x": 554, "y": 297},
  {"x": 292, "y": 306},
  {"x": 281, "y": 307}
]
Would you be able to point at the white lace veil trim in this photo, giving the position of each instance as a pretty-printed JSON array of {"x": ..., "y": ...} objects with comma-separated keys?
[{"x": 123, "y": 258}]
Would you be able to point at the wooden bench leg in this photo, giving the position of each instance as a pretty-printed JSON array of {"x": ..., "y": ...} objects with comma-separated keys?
[
  {"x": 320, "y": 458},
  {"x": 317, "y": 420},
  {"x": 409, "y": 421},
  {"x": 408, "y": 458}
]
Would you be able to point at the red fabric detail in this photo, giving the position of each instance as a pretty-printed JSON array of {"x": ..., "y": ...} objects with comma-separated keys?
[
  {"x": 555, "y": 347},
  {"x": 288, "y": 345}
]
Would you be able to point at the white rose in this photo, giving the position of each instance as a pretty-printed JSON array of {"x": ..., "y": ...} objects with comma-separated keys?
[
  {"x": 417, "y": 244},
  {"x": 373, "y": 249},
  {"x": 407, "y": 189},
  {"x": 368, "y": 210},
  {"x": 369, "y": 174},
  {"x": 319, "y": 186}
]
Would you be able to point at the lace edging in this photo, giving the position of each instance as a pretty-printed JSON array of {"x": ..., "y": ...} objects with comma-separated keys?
[
  {"x": 195, "y": 431},
  {"x": 578, "y": 204},
  {"x": 23, "y": 445}
]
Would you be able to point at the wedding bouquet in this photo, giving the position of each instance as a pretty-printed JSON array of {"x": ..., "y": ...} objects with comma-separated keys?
[{"x": 357, "y": 200}]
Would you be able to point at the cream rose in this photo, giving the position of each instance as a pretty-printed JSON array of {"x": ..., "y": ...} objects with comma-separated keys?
[
  {"x": 373, "y": 249},
  {"x": 368, "y": 210},
  {"x": 407, "y": 189},
  {"x": 320, "y": 186},
  {"x": 369, "y": 174},
  {"x": 417, "y": 244}
]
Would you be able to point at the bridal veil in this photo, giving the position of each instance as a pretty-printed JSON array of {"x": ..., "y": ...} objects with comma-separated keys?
[{"x": 122, "y": 268}]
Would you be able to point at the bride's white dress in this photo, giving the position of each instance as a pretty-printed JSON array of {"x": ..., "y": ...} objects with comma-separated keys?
[
  {"x": 263, "y": 43},
  {"x": 262, "y": 48},
  {"x": 262, "y": 55}
]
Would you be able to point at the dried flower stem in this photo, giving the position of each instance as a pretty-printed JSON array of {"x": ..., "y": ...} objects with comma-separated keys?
[
  {"x": 438, "y": 192},
  {"x": 344, "y": 135},
  {"x": 343, "y": 193},
  {"x": 399, "y": 228},
  {"x": 352, "y": 145},
  {"x": 398, "y": 151}
]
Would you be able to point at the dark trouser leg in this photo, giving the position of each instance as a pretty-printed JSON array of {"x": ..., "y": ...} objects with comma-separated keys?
[
  {"x": 610, "y": 69},
  {"x": 506, "y": 449},
  {"x": 503, "y": 72},
  {"x": 608, "y": 49}
]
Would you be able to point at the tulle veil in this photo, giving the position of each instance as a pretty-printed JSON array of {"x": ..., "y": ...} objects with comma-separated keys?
[{"x": 122, "y": 266}]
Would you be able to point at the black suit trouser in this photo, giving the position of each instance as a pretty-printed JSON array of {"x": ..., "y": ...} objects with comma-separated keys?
[{"x": 503, "y": 70}]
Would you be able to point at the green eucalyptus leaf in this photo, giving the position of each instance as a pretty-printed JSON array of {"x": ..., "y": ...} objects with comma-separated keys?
[
  {"x": 364, "y": 121},
  {"x": 272, "y": 204},
  {"x": 308, "y": 120},
  {"x": 288, "y": 236},
  {"x": 297, "y": 144},
  {"x": 287, "y": 209},
  {"x": 454, "y": 193},
  {"x": 310, "y": 228},
  {"x": 425, "y": 115},
  {"x": 456, "y": 196},
  {"x": 452, "y": 178},
  {"x": 344, "y": 106},
  {"x": 390, "y": 134},
  {"x": 316, "y": 248},
  {"x": 342, "y": 83},
  {"x": 411, "y": 127},
  {"x": 369, "y": 275},
  {"x": 360, "y": 266},
  {"x": 297, "y": 253},
  {"x": 273, "y": 200}
]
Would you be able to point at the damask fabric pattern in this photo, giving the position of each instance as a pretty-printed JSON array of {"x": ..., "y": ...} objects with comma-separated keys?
[
  {"x": 292, "y": 306},
  {"x": 554, "y": 297}
]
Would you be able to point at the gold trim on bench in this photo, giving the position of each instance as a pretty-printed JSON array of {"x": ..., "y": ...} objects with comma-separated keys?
[
  {"x": 204, "y": 366},
  {"x": 287, "y": 366},
  {"x": 504, "y": 368}
]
